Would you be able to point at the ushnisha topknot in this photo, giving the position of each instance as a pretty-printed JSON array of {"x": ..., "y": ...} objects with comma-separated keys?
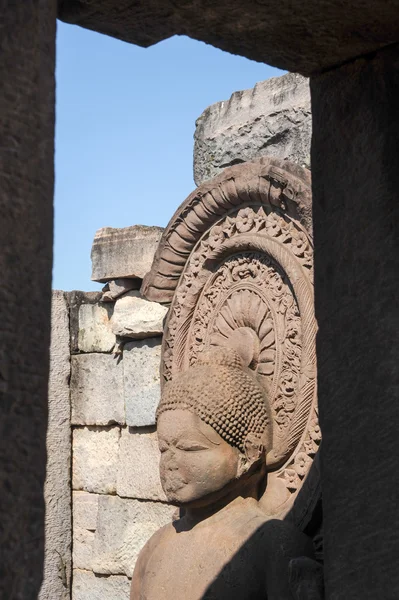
[{"x": 224, "y": 394}]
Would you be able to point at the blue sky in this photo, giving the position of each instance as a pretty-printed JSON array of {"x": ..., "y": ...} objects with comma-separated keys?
[{"x": 125, "y": 119}]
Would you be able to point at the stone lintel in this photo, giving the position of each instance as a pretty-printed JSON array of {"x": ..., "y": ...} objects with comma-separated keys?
[
  {"x": 304, "y": 37},
  {"x": 124, "y": 253}
]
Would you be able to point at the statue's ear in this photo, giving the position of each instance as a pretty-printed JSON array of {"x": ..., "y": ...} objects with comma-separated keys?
[{"x": 253, "y": 448}]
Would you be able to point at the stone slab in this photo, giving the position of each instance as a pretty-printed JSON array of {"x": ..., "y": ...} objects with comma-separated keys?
[
  {"x": 142, "y": 390},
  {"x": 137, "y": 318},
  {"x": 85, "y": 507},
  {"x": 97, "y": 390},
  {"x": 57, "y": 494},
  {"x": 124, "y": 253},
  {"x": 82, "y": 555},
  {"x": 123, "y": 527},
  {"x": 117, "y": 287},
  {"x": 88, "y": 586},
  {"x": 95, "y": 331},
  {"x": 138, "y": 468},
  {"x": 76, "y": 299},
  {"x": 95, "y": 459},
  {"x": 274, "y": 119},
  {"x": 303, "y": 37}
]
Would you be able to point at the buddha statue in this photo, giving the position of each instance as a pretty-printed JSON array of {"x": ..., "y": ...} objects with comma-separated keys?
[{"x": 215, "y": 431}]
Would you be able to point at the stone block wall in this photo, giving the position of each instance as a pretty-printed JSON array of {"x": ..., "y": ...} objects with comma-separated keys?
[{"x": 117, "y": 499}]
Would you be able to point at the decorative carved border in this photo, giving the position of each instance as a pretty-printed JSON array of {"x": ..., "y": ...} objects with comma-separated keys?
[{"x": 267, "y": 180}]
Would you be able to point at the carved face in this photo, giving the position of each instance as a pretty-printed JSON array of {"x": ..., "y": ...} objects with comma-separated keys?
[{"x": 195, "y": 461}]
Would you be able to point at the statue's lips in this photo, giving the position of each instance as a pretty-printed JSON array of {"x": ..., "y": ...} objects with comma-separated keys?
[{"x": 173, "y": 483}]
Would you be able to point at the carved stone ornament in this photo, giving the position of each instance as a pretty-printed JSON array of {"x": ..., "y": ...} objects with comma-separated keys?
[{"x": 236, "y": 264}]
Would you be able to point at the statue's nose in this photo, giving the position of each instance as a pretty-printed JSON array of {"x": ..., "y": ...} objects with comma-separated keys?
[{"x": 170, "y": 461}]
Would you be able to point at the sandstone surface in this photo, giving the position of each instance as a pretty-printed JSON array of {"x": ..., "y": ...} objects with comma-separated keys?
[
  {"x": 95, "y": 332},
  {"x": 141, "y": 364},
  {"x": 124, "y": 253},
  {"x": 137, "y": 318},
  {"x": 97, "y": 390},
  {"x": 85, "y": 508},
  {"x": 274, "y": 119},
  {"x": 76, "y": 299},
  {"x": 95, "y": 459},
  {"x": 117, "y": 287},
  {"x": 88, "y": 586},
  {"x": 57, "y": 494},
  {"x": 123, "y": 527},
  {"x": 138, "y": 468},
  {"x": 303, "y": 37}
]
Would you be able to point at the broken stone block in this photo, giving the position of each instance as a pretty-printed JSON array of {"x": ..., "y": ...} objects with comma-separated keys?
[
  {"x": 88, "y": 586},
  {"x": 95, "y": 459},
  {"x": 117, "y": 287},
  {"x": 137, "y": 318},
  {"x": 138, "y": 468},
  {"x": 141, "y": 381},
  {"x": 84, "y": 510},
  {"x": 273, "y": 119},
  {"x": 75, "y": 300},
  {"x": 95, "y": 332},
  {"x": 97, "y": 390},
  {"x": 124, "y": 253},
  {"x": 123, "y": 527}
]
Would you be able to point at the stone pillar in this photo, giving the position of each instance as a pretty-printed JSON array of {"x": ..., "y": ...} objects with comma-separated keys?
[
  {"x": 27, "y": 43},
  {"x": 355, "y": 171},
  {"x": 57, "y": 489}
]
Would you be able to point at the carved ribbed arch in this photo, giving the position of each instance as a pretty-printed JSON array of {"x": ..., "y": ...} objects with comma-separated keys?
[{"x": 265, "y": 181}]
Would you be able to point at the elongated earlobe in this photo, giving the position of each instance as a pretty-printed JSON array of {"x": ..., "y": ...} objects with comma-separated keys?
[
  {"x": 254, "y": 451},
  {"x": 253, "y": 448}
]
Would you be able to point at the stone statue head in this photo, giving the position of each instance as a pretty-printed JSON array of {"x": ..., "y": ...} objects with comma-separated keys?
[{"x": 214, "y": 429}]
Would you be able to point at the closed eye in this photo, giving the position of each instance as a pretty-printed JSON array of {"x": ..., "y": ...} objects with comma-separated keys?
[{"x": 191, "y": 447}]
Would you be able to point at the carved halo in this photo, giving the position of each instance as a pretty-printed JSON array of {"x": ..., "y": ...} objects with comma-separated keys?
[{"x": 236, "y": 264}]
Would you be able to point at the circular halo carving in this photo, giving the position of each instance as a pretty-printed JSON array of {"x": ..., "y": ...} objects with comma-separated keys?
[{"x": 236, "y": 261}]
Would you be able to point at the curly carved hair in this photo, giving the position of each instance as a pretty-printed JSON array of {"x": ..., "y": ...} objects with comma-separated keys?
[{"x": 224, "y": 394}]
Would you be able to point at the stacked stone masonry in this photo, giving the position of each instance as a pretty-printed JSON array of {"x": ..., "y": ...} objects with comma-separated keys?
[{"x": 117, "y": 499}]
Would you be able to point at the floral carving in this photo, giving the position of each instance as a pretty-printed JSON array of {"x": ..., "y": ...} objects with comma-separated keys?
[
  {"x": 245, "y": 220},
  {"x": 217, "y": 237}
]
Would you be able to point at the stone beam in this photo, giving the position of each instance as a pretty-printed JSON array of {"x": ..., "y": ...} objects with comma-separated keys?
[
  {"x": 355, "y": 178},
  {"x": 304, "y": 37},
  {"x": 27, "y": 49}
]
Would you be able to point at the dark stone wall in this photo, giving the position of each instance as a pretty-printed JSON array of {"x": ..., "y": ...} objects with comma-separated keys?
[
  {"x": 26, "y": 192},
  {"x": 355, "y": 172}
]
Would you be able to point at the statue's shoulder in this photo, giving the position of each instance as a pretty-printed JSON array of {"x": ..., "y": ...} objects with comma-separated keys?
[
  {"x": 280, "y": 537},
  {"x": 160, "y": 536}
]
